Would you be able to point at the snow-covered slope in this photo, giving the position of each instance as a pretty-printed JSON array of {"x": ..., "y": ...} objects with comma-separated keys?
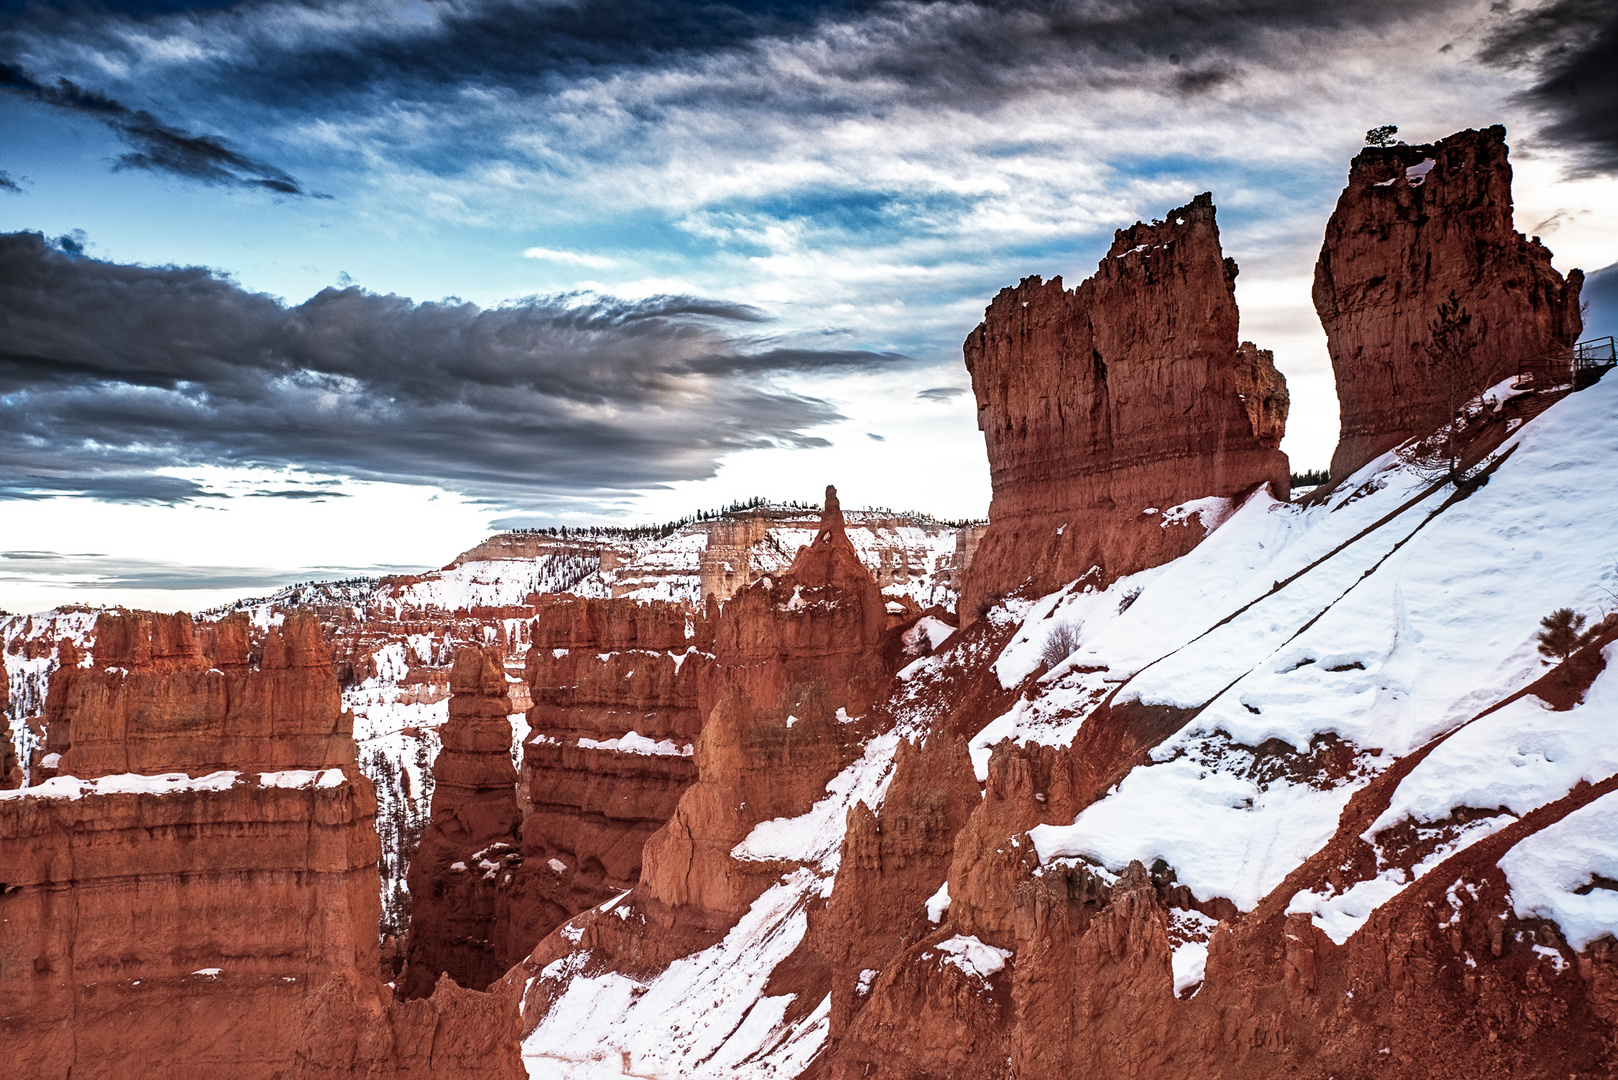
[{"x": 1306, "y": 652}]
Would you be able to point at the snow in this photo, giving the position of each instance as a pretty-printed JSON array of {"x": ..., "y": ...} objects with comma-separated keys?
[
  {"x": 211, "y": 973},
  {"x": 1189, "y": 932},
  {"x": 938, "y": 904},
  {"x": 635, "y": 743},
  {"x": 972, "y": 956},
  {"x": 1376, "y": 620},
  {"x": 817, "y": 836},
  {"x": 1340, "y": 915},
  {"x": 302, "y": 778},
  {"x": 705, "y": 1015},
  {"x": 557, "y": 864},
  {"x": 1224, "y": 834},
  {"x": 71, "y": 787},
  {"x": 1553, "y": 873},
  {"x": 1417, "y": 173},
  {"x": 1519, "y": 757},
  {"x": 1211, "y": 512}
]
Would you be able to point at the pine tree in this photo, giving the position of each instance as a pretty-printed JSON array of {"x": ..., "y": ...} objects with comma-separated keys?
[{"x": 1563, "y": 633}]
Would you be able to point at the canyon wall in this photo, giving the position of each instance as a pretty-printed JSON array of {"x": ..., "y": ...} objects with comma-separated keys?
[
  {"x": 1419, "y": 227},
  {"x": 1105, "y": 406},
  {"x": 611, "y": 744},
  {"x": 203, "y": 857}
]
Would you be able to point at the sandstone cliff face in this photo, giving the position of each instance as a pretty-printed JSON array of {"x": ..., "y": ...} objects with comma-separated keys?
[
  {"x": 159, "y": 919},
  {"x": 461, "y": 871},
  {"x": 800, "y": 662},
  {"x": 796, "y": 664},
  {"x": 1104, "y": 406},
  {"x": 10, "y": 771},
  {"x": 1416, "y": 226},
  {"x": 611, "y": 743},
  {"x": 167, "y": 695}
]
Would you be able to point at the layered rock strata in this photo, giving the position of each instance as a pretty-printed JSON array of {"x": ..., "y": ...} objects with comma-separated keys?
[
  {"x": 164, "y": 907},
  {"x": 611, "y": 740},
  {"x": 1416, "y": 229},
  {"x": 460, "y": 876},
  {"x": 167, "y": 695},
  {"x": 1105, "y": 406},
  {"x": 799, "y": 663}
]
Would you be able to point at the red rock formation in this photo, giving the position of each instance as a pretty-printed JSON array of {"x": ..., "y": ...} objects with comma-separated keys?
[
  {"x": 351, "y": 1028},
  {"x": 1415, "y": 226},
  {"x": 160, "y": 921},
  {"x": 601, "y": 672},
  {"x": 460, "y": 875},
  {"x": 165, "y": 696},
  {"x": 1107, "y": 404},
  {"x": 10, "y": 771},
  {"x": 795, "y": 661}
]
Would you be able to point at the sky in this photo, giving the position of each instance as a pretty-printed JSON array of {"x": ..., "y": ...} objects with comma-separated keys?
[{"x": 301, "y": 290}]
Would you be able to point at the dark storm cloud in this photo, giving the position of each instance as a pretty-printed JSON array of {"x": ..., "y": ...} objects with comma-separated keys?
[
  {"x": 1569, "y": 45},
  {"x": 155, "y": 146},
  {"x": 944, "y": 51},
  {"x": 108, "y": 486},
  {"x": 72, "y": 570},
  {"x": 109, "y": 371},
  {"x": 8, "y": 184}
]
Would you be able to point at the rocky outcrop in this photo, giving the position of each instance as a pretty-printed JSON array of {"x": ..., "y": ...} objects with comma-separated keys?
[
  {"x": 1416, "y": 229},
  {"x": 166, "y": 695},
  {"x": 611, "y": 743},
  {"x": 796, "y": 663},
  {"x": 1106, "y": 405},
  {"x": 158, "y": 918},
  {"x": 351, "y": 1028},
  {"x": 10, "y": 771},
  {"x": 461, "y": 873}
]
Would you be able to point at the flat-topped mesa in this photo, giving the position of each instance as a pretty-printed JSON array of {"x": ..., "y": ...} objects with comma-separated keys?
[
  {"x": 1415, "y": 227},
  {"x": 183, "y": 915},
  {"x": 166, "y": 696},
  {"x": 462, "y": 872},
  {"x": 1106, "y": 405}
]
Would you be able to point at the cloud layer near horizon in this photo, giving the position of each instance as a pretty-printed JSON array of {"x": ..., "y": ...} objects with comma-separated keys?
[{"x": 111, "y": 372}]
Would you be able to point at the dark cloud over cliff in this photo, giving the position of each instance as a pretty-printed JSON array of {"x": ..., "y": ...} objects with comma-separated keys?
[
  {"x": 109, "y": 372},
  {"x": 1570, "y": 49}
]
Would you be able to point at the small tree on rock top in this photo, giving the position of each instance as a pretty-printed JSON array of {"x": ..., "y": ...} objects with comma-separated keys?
[
  {"x": 1563, "y": 633},
  {"x": 1381, "y": 136}
]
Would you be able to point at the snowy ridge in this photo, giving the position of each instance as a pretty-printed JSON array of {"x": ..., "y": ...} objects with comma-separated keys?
[
  {"x": 1310, "y": 649},
  {"x": 71, "y": 787},
  {"x": 1291, "y": 630},
  {"x": 603, "y": 1020}
]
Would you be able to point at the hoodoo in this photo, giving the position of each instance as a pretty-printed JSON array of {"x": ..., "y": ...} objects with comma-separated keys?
[
  {"x": 1418, "y": 230},
  {"x": 1106, "y": 406},
  {"x": 462, "y": 871}
]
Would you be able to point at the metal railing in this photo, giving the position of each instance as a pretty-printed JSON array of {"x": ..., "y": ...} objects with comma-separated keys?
[
  {"x": 1581, "y": 365},
  {"x": 1591, "y": 359}
]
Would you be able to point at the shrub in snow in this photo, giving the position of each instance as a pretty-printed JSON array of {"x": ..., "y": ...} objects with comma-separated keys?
[
  {"x": 1060, "y": 643},
  {"x": 1563, "y": 633}
]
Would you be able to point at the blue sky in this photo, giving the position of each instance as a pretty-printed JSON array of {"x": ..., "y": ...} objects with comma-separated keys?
[{"x": 707, "y": 250}]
